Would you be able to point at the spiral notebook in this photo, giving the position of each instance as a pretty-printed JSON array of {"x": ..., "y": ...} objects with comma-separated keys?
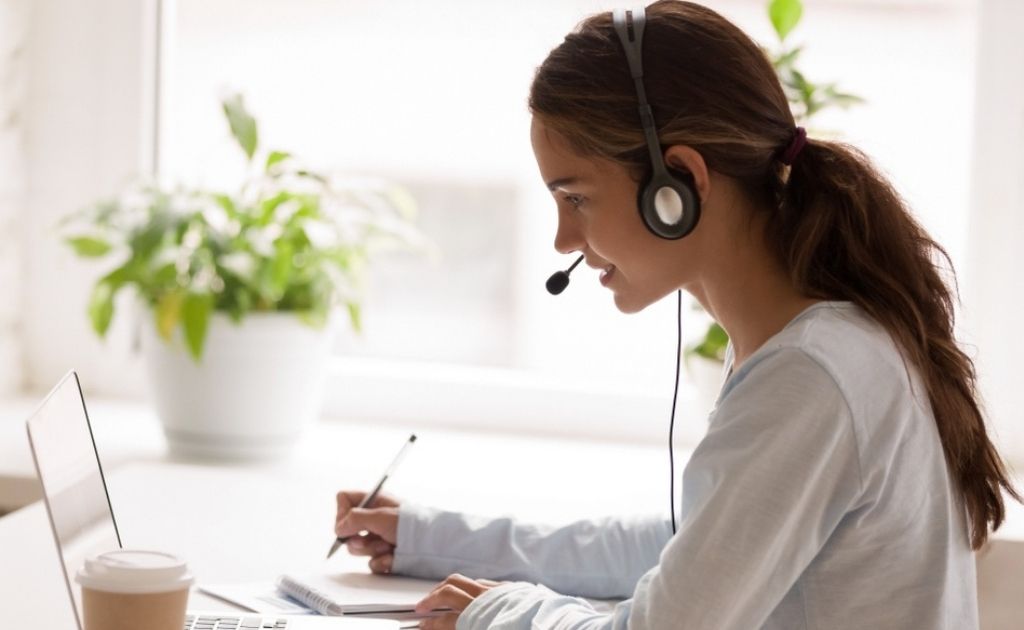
[
  {"x": 355, "y": 593},
  {"x": 328, "y": 593}
]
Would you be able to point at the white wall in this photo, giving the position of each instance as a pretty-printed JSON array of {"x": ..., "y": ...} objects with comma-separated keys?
[
  {"x": 85, "y": 115},
  {"x": 14, "y": 20},
  {"x": 994, "y": 299}
]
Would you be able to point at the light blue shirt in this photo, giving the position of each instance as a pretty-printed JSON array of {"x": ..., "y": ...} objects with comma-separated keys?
[{"x": 819, "y": 499}]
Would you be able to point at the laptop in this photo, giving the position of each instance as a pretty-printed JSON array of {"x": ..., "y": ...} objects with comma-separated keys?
[{"x": 82, "y": 517}]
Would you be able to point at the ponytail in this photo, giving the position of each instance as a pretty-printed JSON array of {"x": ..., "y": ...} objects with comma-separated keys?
[{"x": 844, "y": 233}]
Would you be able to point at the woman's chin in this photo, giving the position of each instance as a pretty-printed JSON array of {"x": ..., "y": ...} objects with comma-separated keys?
[
  {"x": 630, "y": 303},
  {"x": 627, "y": 305}
]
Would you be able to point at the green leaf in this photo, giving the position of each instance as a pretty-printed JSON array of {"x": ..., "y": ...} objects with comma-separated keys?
[
  {"x": 315, "y": 176},
  {"x": 243, "y": 125},
  {"x": 713, "y": 345},
  {"x": 269, "y": 206},
  {"x": 275, "y": 157},
  {"x": 717, "y": 335},
  {"x": 785, "y": 15},
  {"x": 226, "y": 202},
  {"x": 805, "y": 91},
  {"x": 101, "y": 307},
  {"x": 164, "y": 276},
  {"x": 315, "y": 317},
  {"x": 355, "y": 314},
  {"x": 168, "y": 313},
  {"x": 842, "y": 99},
  {"x": 121, "y": 276},
  {"x": 240, "y": 305},
  {"x": 281, "y": 270},
  {"x": 89, "y": 246},
  {"x": 787, "y": 58},
  {"x": 195, "y": 319},
  {"x": 146, "y": 242},
  {"x": 101, "y": 302},
  {"x": 309, "y": 208}
]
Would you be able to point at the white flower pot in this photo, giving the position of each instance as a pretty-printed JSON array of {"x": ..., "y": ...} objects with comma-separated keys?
[{"x": 257, "y": 385}]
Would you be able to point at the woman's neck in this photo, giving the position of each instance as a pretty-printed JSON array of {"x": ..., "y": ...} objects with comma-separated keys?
[{"x": 751, "y": 297}]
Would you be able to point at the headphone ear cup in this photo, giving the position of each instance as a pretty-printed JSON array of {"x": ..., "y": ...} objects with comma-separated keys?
[{"x": 669, "y": 205}]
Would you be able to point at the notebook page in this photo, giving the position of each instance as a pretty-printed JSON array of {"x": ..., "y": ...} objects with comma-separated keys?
[{"x": 342, "y": 593}]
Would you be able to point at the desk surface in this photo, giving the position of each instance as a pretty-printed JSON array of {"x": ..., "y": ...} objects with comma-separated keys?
[{"x": 251, "y": 522}]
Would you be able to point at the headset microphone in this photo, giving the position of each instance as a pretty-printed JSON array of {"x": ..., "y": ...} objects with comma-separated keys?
[{"x": 560, "y": 279}]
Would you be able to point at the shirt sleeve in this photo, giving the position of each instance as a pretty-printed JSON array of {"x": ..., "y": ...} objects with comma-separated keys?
[
  {"x": 522, "y": 606},
  {"x": 764, "y": 490},
  {"x": 599, "y": 559}
]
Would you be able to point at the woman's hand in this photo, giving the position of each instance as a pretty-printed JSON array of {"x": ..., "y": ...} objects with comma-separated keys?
[
  {"x": 456, "y": 593},
  {"x": 373, "y": 529}
]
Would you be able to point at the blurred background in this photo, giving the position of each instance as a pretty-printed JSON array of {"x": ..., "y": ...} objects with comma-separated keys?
[{"x": 432, "y": 96}]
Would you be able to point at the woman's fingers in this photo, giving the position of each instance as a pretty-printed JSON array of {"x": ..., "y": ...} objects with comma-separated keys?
[
  {"x": 381, "y": 552},
  {"x": 456, "y": 592},
  {"x": 382, "y": 564},
  {"x": 349, "y": 499},
  {"x": 346, "y": 501},
  {"x": 444, "y": 596},
  {"x": 380, "y": 521},
  {"x": 369, "y": 545},
  {"x": 444, "y": 621},
  {"x": 471, "y": 587},
  {"x": 371, "y": 531}
]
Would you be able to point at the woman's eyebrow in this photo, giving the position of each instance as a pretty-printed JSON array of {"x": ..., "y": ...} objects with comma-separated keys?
[{"x": 561, "y": 181}]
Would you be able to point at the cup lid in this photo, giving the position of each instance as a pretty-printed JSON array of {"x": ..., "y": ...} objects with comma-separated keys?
[{"x": 134, "y": 571}]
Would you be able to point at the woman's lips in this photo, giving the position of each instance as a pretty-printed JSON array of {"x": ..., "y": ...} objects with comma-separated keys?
[{"x": 606, "y": 275}]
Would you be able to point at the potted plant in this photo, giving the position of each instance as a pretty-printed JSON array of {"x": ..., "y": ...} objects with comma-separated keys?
[
  {"x": 240, "y": 289},
  {"x": 705, "y": 357}
]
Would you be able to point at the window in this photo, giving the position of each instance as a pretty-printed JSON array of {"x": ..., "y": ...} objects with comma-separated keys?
[{"x": 432, "y": 95}]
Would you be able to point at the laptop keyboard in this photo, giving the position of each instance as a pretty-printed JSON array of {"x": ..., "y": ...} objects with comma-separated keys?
[{"x": 224, "y": 622}]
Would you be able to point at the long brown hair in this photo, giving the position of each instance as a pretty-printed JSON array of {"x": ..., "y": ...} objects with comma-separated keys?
[{"x": 838, "y": 227}]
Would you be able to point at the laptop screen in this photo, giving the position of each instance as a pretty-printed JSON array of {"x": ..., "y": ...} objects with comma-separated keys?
[{"x": 73, "y": 485}]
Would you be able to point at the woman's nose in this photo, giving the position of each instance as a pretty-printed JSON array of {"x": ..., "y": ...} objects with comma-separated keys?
[{"x": 568, "y": 237}]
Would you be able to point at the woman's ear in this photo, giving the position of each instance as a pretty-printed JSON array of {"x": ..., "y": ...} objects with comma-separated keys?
[{"x": 684, "y": 158}]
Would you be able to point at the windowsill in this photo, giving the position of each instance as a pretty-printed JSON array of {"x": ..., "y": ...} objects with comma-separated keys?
[
  {"x": 506, "y": 404},
  {"x": 441, "y": 468},
  {"x": 602, "y": 477}
]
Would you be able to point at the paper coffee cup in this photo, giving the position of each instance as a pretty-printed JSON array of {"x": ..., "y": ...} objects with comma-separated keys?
[{"x": 128, "y": 588}]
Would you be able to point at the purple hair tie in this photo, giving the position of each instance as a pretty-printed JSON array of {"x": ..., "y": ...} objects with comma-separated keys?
[{"x": 793, "y": 150}]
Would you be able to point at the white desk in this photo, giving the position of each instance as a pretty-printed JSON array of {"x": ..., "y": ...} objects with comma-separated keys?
[{"x": 249, "y": 523}]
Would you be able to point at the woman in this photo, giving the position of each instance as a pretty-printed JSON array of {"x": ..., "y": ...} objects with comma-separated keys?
[{"x": 846, "y": 475}]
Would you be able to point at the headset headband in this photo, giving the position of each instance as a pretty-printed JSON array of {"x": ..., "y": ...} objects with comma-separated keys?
[{"x": 629, "y": 24}]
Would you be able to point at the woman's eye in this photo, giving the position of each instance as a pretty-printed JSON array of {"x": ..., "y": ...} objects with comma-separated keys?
[{"x": 574, "y": 200}]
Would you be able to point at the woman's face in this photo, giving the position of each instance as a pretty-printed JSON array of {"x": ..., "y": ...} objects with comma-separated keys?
[{"x": 598, "y": 217}]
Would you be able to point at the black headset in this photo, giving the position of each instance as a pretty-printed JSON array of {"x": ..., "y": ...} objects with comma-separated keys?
[{"x": 669, "y": 206}]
